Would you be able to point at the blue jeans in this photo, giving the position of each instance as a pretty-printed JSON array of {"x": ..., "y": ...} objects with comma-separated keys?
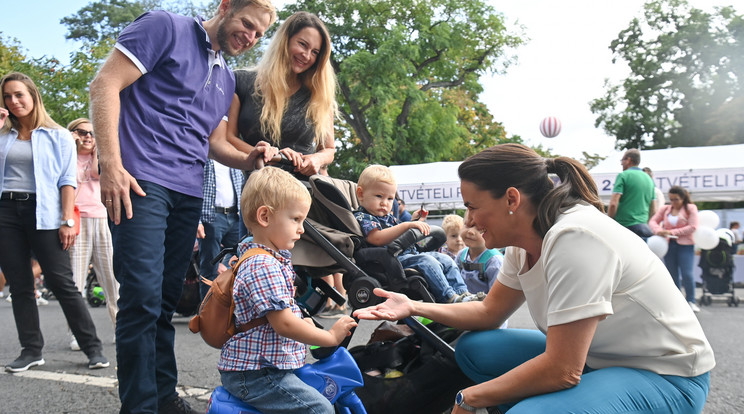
[
  {"x": 222, "y": 232},
  {"x": 607, "y": 390},
  {"x": 440, "y": 272},
  {"x": 275, "y": 391},
  {"x": 151, "y": 254},
  {"x": 680, "y": 258}
]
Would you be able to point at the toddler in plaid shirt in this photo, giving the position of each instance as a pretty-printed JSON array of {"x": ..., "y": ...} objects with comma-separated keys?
[{"x": 258, "y": 365}]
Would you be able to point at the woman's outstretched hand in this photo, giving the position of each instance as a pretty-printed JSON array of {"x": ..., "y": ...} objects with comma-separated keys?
[{"x": 395, "y": 307}]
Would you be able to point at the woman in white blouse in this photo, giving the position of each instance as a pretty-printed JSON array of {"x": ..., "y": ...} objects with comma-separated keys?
[{"x": 611, "y": 337}]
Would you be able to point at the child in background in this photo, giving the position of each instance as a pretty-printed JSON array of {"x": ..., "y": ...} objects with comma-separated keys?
[
  {"x": 478, "y": 266},
  {"x": 376, "y": 192},
  {"x": 452, "y": 225},
  {"x": 257, "y": 365}
]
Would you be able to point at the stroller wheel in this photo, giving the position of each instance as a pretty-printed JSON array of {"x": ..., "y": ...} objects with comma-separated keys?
[{"x": 360, "y": 292}]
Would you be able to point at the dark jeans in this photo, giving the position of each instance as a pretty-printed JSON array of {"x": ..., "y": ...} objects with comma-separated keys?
[
  {"x": 222, "y": 232},
  {"x": 642, "y": 230},
  {"x": 18, "y": 238},
  {"x": 151, "y": 254}
]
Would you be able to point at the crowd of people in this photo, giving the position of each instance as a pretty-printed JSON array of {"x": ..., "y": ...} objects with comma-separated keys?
[{"x": 130, "y": 189}]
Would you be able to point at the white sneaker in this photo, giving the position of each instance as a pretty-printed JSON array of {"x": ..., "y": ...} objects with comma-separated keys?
[
  {"x": 2, "y": 294},
  {"x": 694, "y": 307},
  {"x": 41, "y": 301},
  {"x": 74, "y": 345},
  {"x": 9, "y": 299}
]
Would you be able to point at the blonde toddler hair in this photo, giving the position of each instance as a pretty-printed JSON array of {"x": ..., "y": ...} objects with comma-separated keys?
[
  {"x": 376, "y": 173},
  {"x": 271, "y": 187},
  {"x": 451, "y": 222}
]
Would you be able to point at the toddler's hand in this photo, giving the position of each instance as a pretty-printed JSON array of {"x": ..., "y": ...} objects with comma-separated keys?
[
  {"x": 342, "y": 328},
  {"x": 421, "y": 225}
]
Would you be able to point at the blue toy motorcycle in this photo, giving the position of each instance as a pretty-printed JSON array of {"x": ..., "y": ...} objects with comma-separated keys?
[{"x": 335, "y": 375}]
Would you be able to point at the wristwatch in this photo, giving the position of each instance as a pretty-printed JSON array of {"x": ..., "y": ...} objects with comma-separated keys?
[
  {"x": 69, "y": 223},
  {"x": 460, "y": 401}
]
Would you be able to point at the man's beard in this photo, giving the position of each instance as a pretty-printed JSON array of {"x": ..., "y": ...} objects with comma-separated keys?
[{"x": 222, "y": 39}]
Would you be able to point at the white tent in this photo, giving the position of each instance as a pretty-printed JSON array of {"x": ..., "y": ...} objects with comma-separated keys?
[
  {"x": 710, "y": 174},
  {"x": 434, "y": 185},
  {"x": 714, "y": 173}
]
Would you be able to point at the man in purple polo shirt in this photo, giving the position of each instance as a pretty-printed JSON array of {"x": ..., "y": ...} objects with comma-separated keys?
[{"x": 159, "y": 106}]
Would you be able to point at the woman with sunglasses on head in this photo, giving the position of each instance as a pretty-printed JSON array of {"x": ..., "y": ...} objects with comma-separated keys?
[
  {"x": 37, "y": 182},
  {"x": 611, "y": 338},
  {"x": 94, "y": 241}
]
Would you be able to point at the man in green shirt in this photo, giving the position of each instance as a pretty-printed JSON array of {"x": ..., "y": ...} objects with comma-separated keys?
[{"x": 632, "y": 202}]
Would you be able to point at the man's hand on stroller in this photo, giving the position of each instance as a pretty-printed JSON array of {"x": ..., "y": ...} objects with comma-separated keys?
[{"x": 395, "y": 307}]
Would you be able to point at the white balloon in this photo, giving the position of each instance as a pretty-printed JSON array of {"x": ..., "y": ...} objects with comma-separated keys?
[
  {"x": 658, "y": 245},
  {"x": 705, "y": 238},
  {"x": 708, "y": 218}
]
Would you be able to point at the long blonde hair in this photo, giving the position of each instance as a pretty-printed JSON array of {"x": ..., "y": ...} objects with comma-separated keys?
[
  {"x": 39, "y": 114},
  {"x": 274, "y": 69}
]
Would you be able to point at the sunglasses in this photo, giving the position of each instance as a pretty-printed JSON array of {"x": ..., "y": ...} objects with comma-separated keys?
[{"x": 82, "y": 133}]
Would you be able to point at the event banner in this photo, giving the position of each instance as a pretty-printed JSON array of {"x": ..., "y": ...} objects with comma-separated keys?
[
  {"x": 442, "y": 195},
  {"x": 707, "y": 184}
]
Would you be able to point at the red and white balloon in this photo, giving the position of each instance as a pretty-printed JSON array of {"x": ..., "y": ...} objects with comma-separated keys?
[{"x": 550, "y": 127}]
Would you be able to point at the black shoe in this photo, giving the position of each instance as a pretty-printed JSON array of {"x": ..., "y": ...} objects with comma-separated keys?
[
  {"x": 24, "y": 362},
  {"x": 97, "y": 361},
  {"x": 177, "y": 406}
]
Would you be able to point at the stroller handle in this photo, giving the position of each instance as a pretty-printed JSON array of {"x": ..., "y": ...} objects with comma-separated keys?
[{"x": 438, "y": 343}]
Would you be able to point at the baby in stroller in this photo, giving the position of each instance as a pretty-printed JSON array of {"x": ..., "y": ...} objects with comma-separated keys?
[{"x": 376, "y": 191}]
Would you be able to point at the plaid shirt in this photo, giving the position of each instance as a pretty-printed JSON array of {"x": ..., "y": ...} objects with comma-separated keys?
[
  {"x": 263, "y": 283},
  {"x": 369, "y": 222},
  {"x": 209, "y": 191}
]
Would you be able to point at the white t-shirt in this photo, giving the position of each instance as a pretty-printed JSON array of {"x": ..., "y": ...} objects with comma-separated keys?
[{"x": 590, "y": 266}]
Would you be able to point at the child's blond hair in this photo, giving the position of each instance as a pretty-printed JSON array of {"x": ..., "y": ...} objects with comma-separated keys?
[
  {"x": 376, "y": 173},
  {"x": 273, "y": 188},
  {"x": 452, "y": 222}
]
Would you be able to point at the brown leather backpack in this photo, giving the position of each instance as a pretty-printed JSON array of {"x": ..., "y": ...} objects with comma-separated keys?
[{"x": 216, "y": 318}]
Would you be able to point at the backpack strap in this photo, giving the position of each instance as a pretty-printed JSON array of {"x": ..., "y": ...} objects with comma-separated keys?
[
  {"x": 480, "y": 265},
  {"x": 461, "y": 257},
  {"x": 253, "y": 322}
]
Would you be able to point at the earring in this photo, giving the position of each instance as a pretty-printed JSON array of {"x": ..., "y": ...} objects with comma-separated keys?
[{"x": 511, "y": 212}]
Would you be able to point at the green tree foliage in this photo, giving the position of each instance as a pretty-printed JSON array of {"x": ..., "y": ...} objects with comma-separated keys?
[
  {"x": 686, "y": 82},
  {"x": 103, "y": 20},
  {"x": 64, "y": 88},
  {"x": 408, "y": 73}
]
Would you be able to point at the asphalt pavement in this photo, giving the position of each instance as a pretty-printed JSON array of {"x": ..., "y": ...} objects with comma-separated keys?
[{"x": 66, "y": 385}]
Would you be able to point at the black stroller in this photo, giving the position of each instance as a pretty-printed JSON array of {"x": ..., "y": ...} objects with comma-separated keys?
[
  {"x": 411, "y": 371},
  {"x": 717, "y": 267}
]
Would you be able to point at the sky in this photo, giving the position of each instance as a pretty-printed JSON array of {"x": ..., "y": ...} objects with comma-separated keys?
[{"x": 559, "y": 71}]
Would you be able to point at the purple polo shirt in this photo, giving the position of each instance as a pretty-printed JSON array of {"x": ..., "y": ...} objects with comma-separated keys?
[{"x": 184, "y": 92}]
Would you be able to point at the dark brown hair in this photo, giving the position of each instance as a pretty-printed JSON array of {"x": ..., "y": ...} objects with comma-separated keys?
[
  {"x": 683, "y": 194},
  {"x": 514, "y": 165}
]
